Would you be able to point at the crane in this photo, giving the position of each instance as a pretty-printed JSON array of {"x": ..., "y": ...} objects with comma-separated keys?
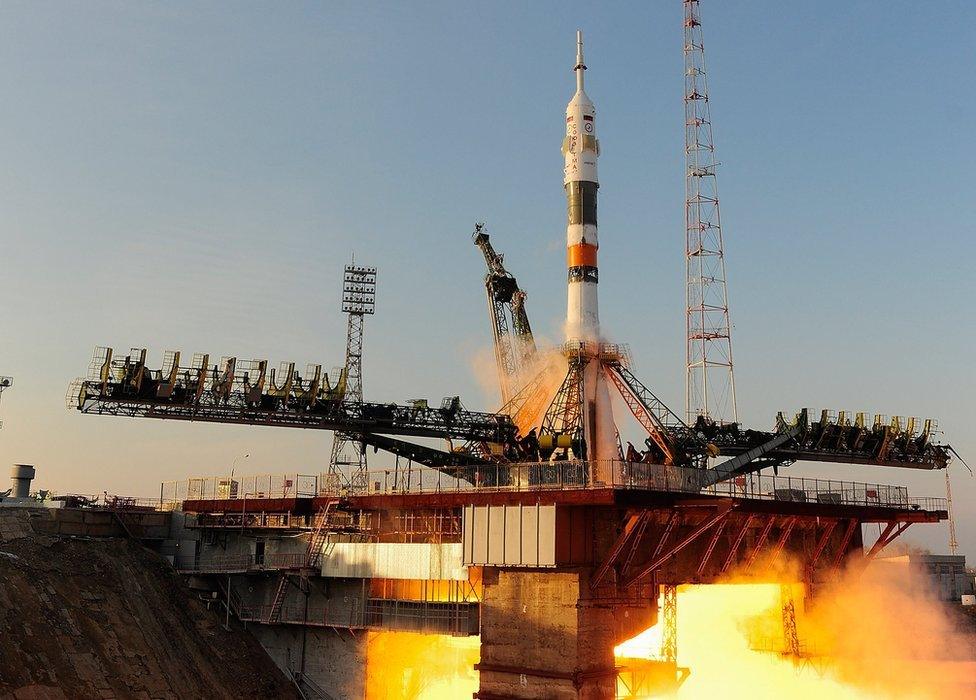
[{"x": 514, "y": 345}]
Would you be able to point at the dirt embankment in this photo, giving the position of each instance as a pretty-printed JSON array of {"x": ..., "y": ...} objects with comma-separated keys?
[{"x": 110, "y": 619}]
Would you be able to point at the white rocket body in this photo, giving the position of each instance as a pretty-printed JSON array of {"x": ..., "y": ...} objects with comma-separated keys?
[{"x": 581, "y": 150}]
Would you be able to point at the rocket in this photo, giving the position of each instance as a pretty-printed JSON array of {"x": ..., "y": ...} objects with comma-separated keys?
[{"x": 580, "y": 150}]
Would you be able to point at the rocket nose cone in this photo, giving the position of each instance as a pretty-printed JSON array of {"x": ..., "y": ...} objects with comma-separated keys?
[{"x": 580, "y": 98}]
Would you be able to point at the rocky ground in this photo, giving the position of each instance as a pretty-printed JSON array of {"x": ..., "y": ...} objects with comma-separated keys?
[{"x": 107, "y": 618}]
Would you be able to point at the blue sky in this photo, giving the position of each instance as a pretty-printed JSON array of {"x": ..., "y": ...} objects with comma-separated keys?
[{"x": 195, "y": 176}]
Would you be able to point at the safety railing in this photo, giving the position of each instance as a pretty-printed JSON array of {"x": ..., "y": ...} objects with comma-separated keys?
[
  {"x": 444, "y": 618},
  {"x": 240, "y": 563},
  {"x": 351, "y": 617},
  {"x": 257, "y": 486},
  {"x": 606, "y": 474},
  {"x": 421, "y": 616},
  {"x": 651, "y": 477},
  {"x": 261, "y": 519}
]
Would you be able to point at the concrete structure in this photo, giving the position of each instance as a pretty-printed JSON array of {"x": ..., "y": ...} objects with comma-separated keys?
[
  {"x": 550, "y": 578},
  {"x": 946, "y": 573},
  {"x": 21, "y": 477},
  {"x": 319, "y": 625}
]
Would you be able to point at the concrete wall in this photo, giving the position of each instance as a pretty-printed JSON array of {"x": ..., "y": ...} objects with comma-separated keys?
[
  {"x": 544, "y": 636},
  {"x": 99, "y": 523},
  {"x": 335, "y": 662},
  {"x": 946, "y": 573}
]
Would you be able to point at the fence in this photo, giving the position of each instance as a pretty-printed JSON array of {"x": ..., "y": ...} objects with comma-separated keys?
[
  {"x": 379, "y": 614},
  {"x": 250, "y": 486},
  {"x": 240, "y": 563},
  {"x": 541, "y": 476}
]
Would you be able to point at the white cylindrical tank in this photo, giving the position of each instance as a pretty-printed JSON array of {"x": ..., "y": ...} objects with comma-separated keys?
[
  {"x": 969, "y": 599},
  {"x": 21, "y": 477}
]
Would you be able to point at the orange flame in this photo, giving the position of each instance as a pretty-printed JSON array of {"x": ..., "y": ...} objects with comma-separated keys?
[
  {"x": 871, "y": 635},
  {"x": 411, "y": 666}
]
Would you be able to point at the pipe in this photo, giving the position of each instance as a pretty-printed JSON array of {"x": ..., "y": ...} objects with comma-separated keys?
[{"x": 20, "y": 478}]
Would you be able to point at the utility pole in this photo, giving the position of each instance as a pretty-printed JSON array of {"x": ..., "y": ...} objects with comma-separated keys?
[
  {"x": 358, "y": 301},
  {"x": 5, "y": 383},
  {"x": 709, "y": 381}
]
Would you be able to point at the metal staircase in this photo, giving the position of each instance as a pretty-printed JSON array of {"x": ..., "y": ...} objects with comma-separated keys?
[
  {"x": 320, "y": 535},
  {"x": 317, "y": 543}
]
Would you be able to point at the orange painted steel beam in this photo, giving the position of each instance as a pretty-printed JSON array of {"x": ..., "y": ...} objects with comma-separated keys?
[
  {"x": 737, "y": 543},
  {"x": 657, "y": 561}
]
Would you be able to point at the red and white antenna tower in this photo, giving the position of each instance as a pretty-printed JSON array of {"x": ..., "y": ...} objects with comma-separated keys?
[{"x": 709, "y": 381}]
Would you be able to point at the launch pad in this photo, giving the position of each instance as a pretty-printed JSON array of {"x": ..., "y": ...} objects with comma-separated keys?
[{"x": 531, "y": 525}]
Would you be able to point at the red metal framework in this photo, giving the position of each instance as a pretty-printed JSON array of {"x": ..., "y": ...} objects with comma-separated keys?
[
  {"x": 713, "y": 535},
  {"x": 721, "y": 512},
  {"x": 852, "y": 525},
  {"x": 891, "y": 532},
  {"x": 734, "y": 549},
  {"x": 710, "y": 382}
]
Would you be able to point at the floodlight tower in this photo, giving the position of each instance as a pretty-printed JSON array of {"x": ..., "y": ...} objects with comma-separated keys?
[
  {"x": 358, "y": 301},
  {"x": 709, "y": 380}
]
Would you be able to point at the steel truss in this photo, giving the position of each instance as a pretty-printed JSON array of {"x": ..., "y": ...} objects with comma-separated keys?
[
  {"x": 709, "y": 382},
  {"x": 358, "y": 301},
  {"x": 247, "y": 392},
  {"x": 564, "y": 417},
  {"x": 669, "y": 613},
  {"x": 714, "y": 528},
  {"x": 514, "y": 344},
  {"x": 207, "y": 394}
]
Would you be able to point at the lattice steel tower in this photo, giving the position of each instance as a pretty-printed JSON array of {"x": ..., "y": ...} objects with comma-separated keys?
[
  {"x": 358, "y": 301},
  {"x": 709, "y": 380}
]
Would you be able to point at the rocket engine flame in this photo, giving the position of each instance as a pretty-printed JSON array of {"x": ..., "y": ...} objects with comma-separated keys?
[
  {"x": 412, "y": 666},
  {"x": 874, "y": 635}
]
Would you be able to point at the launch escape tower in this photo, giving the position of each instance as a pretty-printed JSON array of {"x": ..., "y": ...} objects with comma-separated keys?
[
  {"x": 709, "y": 379},
  {"x": 358, "y": 301}
]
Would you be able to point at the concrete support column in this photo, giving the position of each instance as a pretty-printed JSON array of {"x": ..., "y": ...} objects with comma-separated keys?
[{"x": 544, "y": 635}]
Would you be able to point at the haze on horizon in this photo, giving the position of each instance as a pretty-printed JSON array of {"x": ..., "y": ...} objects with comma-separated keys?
[{"x": 194, "y": 177}]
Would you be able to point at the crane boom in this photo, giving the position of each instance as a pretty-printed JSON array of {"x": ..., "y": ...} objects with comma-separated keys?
[{"x": 511, "y": 333}]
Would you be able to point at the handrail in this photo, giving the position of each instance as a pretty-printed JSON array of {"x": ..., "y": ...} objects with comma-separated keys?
[
  {"x": 603, "y": 474},
  {"x": 233, "y": 563}
]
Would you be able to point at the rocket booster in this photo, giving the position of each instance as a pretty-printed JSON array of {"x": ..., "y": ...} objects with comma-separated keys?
[{"x": 581, "y": 149}]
